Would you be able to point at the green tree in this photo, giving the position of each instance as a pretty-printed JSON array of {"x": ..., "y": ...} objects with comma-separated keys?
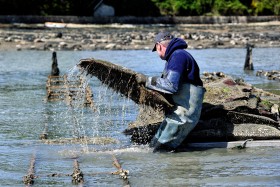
[
  {"x": 201, "y": 7},
  {"x": 265, "y": 7},
  {"x": 230, "y": 7}
]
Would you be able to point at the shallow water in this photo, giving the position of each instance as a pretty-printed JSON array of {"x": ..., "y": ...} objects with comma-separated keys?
[{"x": 24, "y": 115}]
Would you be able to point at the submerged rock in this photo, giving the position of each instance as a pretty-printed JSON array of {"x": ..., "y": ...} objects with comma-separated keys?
[
  {"x": 271, "y": 75},
  {"x": 82, "y": 140}
]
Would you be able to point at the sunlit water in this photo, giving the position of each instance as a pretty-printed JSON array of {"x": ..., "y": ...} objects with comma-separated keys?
[{"x": 24, "y": 115}]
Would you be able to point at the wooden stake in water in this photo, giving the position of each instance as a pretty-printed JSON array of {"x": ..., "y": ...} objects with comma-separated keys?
[
  {"x": 77, "y": 175},
  {"x": 29, "y": 178},
  {"x": 44, "y": 134},
  {"x": 249, "y": 61},
  {"x": 121, "y": 172},
  {"x": 55, "y": 69}
]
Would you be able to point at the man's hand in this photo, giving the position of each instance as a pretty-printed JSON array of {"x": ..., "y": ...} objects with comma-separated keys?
[{"x": 140, "y": 78}]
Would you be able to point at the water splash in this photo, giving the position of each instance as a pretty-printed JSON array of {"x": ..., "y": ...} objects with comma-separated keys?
[{"x": 110, "y": 116}]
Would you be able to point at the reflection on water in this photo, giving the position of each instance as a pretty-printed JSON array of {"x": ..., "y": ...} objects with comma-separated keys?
[{"x": 24, "y": 115}]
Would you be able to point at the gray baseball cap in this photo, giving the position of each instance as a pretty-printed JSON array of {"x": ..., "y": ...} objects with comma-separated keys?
[{"x": 161, "y": 37}]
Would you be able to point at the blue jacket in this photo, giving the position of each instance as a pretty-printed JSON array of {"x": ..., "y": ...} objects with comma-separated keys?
[
  {"x": 181, "y": 79},
  {"x": 180, "y": 68}
]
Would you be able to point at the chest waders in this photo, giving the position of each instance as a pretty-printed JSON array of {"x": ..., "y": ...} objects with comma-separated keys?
[{"x": 179, "y": 123}]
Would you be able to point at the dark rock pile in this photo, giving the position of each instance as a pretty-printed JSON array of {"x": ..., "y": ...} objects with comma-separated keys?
[{"x": 232, "y": 110}]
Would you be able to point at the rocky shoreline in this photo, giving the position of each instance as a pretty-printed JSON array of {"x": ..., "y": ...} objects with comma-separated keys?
[{"x": 53, "y": 36}]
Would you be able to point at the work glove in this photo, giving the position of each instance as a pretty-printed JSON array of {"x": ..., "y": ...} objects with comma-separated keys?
[{"x": 140, "y": 79}]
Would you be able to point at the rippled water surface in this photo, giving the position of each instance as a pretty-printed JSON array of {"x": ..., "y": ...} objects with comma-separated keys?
[{"x": 24, "y": 115}]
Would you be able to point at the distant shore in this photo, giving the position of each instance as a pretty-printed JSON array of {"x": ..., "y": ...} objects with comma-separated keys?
[
  {"x": 75, "y": 36},
  {"x": 34, "y": 19}
]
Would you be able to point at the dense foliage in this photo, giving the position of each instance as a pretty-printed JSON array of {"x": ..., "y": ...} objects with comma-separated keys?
[
  {"x": 142, "y": 7},
  {"x": 218, "y": 7}
]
